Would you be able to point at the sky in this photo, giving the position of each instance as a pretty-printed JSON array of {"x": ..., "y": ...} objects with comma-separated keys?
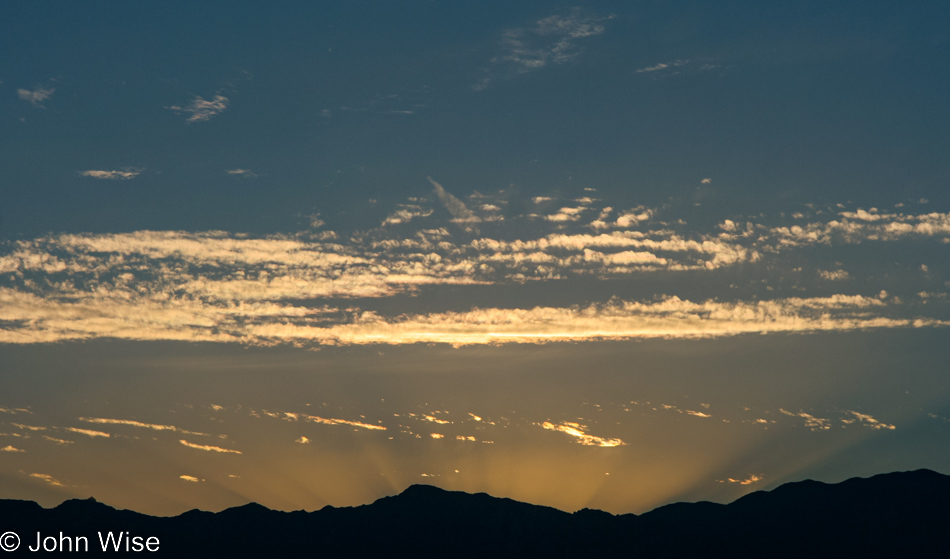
[{"x": 598, "y": 254}]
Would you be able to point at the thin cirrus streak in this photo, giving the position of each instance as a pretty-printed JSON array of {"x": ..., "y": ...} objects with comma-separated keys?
[
  {"x": 133, "y": 423},
  {"x": 209, "y": 448}
]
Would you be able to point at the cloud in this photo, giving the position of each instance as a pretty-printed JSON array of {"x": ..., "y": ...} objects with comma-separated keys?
[
  {"x": 812, "y": 422},
  {"x": 14, "y": 411},
  {"x": 132, "y": 423},
  {"x": 661, "y": 66},
  {"x": 327, "y": 288},
  {"x": 677, "y": 67},
  {"x": 867, "y": 421},
  {"x": 36, "y": 96},
  {"x": 580, "y": 433},
  {"x": 48, "y": 479},
  {"x": 114, "y": 175},
  {"x": 330, "y": 421},
  {"x": 406, "y": 214},
  {"x": 188, "y": 478},
  {"x": 303, "y": 440},
  {"x": 456, "y": 207},
  {"x": 753, "y": 478},
  {"x": 551, "y": 40},
  {"x": 200, "y": 109},
  {"x": 833, "y": 275},
  {"x": 29, "y": 427},
  {"x": 864, "y": 226},
  {"x": 88, "y": 432},
  {"x": 209, "y": 448},
  {"x": 246, "y": 173},
  {"x": 11, "y": 448}
]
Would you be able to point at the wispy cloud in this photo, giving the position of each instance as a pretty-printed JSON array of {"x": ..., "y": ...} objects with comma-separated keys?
[
  {"x": 458, "y": 209},
  {"x": 753, "y": 478},
  {"x": 833, "y": 275},
  {"x": 677, "y": 67},
  {"x": 14, "y": 411},
  {"x": 866, "y": 420},
  {"x": 113, "y": 175},
  {"x": 88, "y": 432},
  {"x": 580, "y": 433},
  {"x": 209, "y": 448},
  {"x": 48, "y": 479},
  {"x": 246, "y": 173},
  {"x": 551, "y": 40},
  {"x": 36, "y": 96},
  {"x": 405, "y": 214},
  {"x": 188, "y": 478},
  {"x": 812, "y": 422},
  {"x": 331, "y": 421},
  {"x": 201, "y": 109},
  {"x": 11, "y": 448},
  {"x": 139, "y": 424}
]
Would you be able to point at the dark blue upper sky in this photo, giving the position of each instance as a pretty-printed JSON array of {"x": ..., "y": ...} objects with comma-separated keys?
[{"x": 334, "y": 104}]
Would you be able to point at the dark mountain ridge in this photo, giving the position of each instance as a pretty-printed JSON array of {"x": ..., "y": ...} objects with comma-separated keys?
[{"x": 904, "y": 514}]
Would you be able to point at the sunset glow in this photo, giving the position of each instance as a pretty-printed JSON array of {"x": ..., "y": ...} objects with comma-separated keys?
[{"x": 608, "y": 255}]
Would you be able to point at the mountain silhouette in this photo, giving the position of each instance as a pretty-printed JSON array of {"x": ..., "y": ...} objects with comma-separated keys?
[{"x": 905, "y": 514}]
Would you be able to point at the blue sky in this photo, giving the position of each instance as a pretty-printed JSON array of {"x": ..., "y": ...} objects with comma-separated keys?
[{"x": 738, "y": 211}]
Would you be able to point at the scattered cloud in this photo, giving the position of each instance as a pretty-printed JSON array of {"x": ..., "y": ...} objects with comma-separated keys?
[
  {"x": 36, "y": 96},
  {"x": 201, "y": 109},
  {"x": 191, "y": 479},
  {"x": 302, "y": 440},
  {"x": 11, "y": 448},
  {"x": 302, "y": 289}
]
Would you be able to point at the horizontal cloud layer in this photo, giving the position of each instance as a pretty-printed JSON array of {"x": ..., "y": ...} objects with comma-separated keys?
[{"x": 327, "y": 288}]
